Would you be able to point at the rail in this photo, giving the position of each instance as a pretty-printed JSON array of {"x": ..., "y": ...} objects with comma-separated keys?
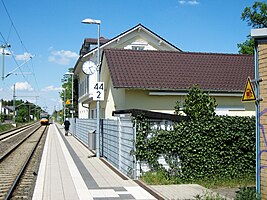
[{"x": 13, "y": 174}]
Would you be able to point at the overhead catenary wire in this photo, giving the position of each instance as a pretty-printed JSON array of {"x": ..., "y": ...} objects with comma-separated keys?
[
  {"x": 22, "y": 44},
  {"x": 12, "y": 24},
  {"x": 13, "y": 56},
  {"x": 19, "y": 66}
]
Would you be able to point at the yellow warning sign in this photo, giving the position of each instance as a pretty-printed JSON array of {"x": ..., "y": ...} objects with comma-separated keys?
[
  {"x": 68, "y": 102},
  {"x": 248, "y": 94}
]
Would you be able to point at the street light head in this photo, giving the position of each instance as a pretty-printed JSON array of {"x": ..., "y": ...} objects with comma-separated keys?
[
  {"x": 5, "y": 45},
  {"x": 91, "y": 21},
  {"x": 69, "y": 73}
]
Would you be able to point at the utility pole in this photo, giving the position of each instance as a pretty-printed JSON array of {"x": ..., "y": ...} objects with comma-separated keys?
[
  {"x": 29, "y": 112},
  {"x": 14, "y": 105},
  {"x": 35, "y": 108},
  {"x": 1, "y": 107},
  {"x": 3, "y": 46}
]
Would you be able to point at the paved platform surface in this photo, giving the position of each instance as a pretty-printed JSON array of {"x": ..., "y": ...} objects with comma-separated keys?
[{"x": 68, "y": 172}]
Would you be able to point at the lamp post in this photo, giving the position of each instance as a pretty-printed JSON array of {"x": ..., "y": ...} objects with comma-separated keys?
[
  {"x": 98, "y": 22},
  {"x": 64, "y": 106},
  {"x": 72, "y": 108}
]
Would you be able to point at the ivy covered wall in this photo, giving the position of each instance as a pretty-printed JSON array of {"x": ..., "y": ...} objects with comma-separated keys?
[{"x": 205, "y": 146}]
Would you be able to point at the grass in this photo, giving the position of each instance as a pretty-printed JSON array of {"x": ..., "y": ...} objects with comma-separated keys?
[
  {"x": 5, "y": 127},
  {"x": 227, "y": 182},
  {"x": 159, "y": 178},
  {"x": 209, "y": 196},
  {"x": 246, "y": 193}
]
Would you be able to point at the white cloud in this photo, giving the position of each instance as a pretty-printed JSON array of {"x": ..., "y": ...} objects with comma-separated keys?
[
  {"x": 62, "y": 57},
  {"x": 51, "y": 88},
  {"x": 190, "y": 2},
  {"x": 193, "y": 2},
  {"x": 24, "y": 56},
  {"x": 23, "y": 86}
]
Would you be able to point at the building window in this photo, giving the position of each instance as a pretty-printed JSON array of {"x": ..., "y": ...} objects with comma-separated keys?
[
  {"x": 92, "y": 114},
  {"x": 139, "y": 48}
]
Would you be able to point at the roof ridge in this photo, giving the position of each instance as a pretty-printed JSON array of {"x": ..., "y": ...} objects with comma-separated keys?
[
  {"x": 217, "y": 53},
  {"x": 177, "y": 52}
]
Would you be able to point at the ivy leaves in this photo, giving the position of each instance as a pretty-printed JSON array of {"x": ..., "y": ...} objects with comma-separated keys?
[{"x": 206, "y": 146}]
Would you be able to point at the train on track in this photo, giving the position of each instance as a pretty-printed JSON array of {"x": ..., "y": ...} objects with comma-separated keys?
[{"x": 44, "y": 118}]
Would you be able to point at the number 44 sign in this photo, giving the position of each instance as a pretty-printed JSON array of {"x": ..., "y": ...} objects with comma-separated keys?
[{"x": 98, "y": 93}]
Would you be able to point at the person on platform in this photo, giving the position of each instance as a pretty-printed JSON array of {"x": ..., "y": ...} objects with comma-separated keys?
[{"x": 66, "y": 126}]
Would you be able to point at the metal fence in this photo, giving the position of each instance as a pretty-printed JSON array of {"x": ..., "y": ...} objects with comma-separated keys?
[{"x": 117, "y": 139}]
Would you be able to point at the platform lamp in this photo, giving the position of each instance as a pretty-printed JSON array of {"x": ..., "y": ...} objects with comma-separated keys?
[{"x": 98, "y": 22}]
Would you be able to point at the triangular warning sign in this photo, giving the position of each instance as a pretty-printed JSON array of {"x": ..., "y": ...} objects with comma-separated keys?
[
  {"x": 248, "y": 94},
  {"x": 68, "y": 102}
]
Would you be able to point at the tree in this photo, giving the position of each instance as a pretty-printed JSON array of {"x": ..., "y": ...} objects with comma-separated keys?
[
  {"x": 67, "y": 89},
  {"x": 198, "y": 104},
  {"x": 255, "y": 16},
  {"x": 247, "y": 47}
]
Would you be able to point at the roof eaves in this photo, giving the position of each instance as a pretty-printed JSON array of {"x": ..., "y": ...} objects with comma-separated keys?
[
  {"x": 153, "y": 33},
  {"x": 77, "y": 62},
  {"x": 150, "y": 114},
  {"x": 112, "y": 40},
  {"x": 127, "y": 32},
  {"x": 179, "y": 90}
]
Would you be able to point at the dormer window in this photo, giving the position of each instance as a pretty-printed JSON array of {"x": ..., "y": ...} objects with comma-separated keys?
[{"x": 138, "y": 47}]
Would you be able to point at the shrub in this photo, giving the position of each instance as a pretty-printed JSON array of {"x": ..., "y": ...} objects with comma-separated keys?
[
  {"x": 247, "y": 193},
  {"x": 206, "y": 146}
]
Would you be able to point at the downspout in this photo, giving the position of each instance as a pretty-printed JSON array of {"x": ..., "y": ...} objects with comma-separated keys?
[{"x": 257, "y": 104}]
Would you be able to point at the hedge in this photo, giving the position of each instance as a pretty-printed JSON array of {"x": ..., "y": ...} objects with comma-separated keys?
[{"x": 222, "y": 146}]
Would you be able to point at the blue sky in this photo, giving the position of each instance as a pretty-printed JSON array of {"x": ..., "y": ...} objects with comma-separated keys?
[{"x": 52, "y": 33}]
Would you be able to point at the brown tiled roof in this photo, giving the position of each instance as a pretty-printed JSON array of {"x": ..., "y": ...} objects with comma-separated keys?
[
  {"x": 102, "y": 40},
  {"x": 88, "y": 41},
  {"x": 170, "y": 70}
]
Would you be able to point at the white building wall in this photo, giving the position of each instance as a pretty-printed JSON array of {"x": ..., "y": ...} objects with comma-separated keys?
[
  {"x": 1, "y": 107},
  {"x": 140, "y": 39}
]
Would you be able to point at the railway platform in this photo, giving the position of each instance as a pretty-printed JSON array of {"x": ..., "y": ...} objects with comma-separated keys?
[{"x": 69, "y": 171}]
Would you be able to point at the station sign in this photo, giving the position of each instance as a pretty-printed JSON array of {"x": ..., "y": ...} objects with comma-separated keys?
[{"x": 98, "y": 93}]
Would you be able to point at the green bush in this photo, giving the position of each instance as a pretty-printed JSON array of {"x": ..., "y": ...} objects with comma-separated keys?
[
  {"x": 247, "y": 193},
  {"x": 5, "y": 127},
  {"x": 2, "y": 119},
  {"x": 221, "y": 147},
  {"x": 205, "y": 147},
  {"x": 197, "y": 105}
]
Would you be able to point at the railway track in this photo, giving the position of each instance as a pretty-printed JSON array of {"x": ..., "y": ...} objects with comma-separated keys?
[
  {"x": 19, "y": 165},
  {"x": 10, "y": 133},
  {"x": 9, "y": 140}
]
